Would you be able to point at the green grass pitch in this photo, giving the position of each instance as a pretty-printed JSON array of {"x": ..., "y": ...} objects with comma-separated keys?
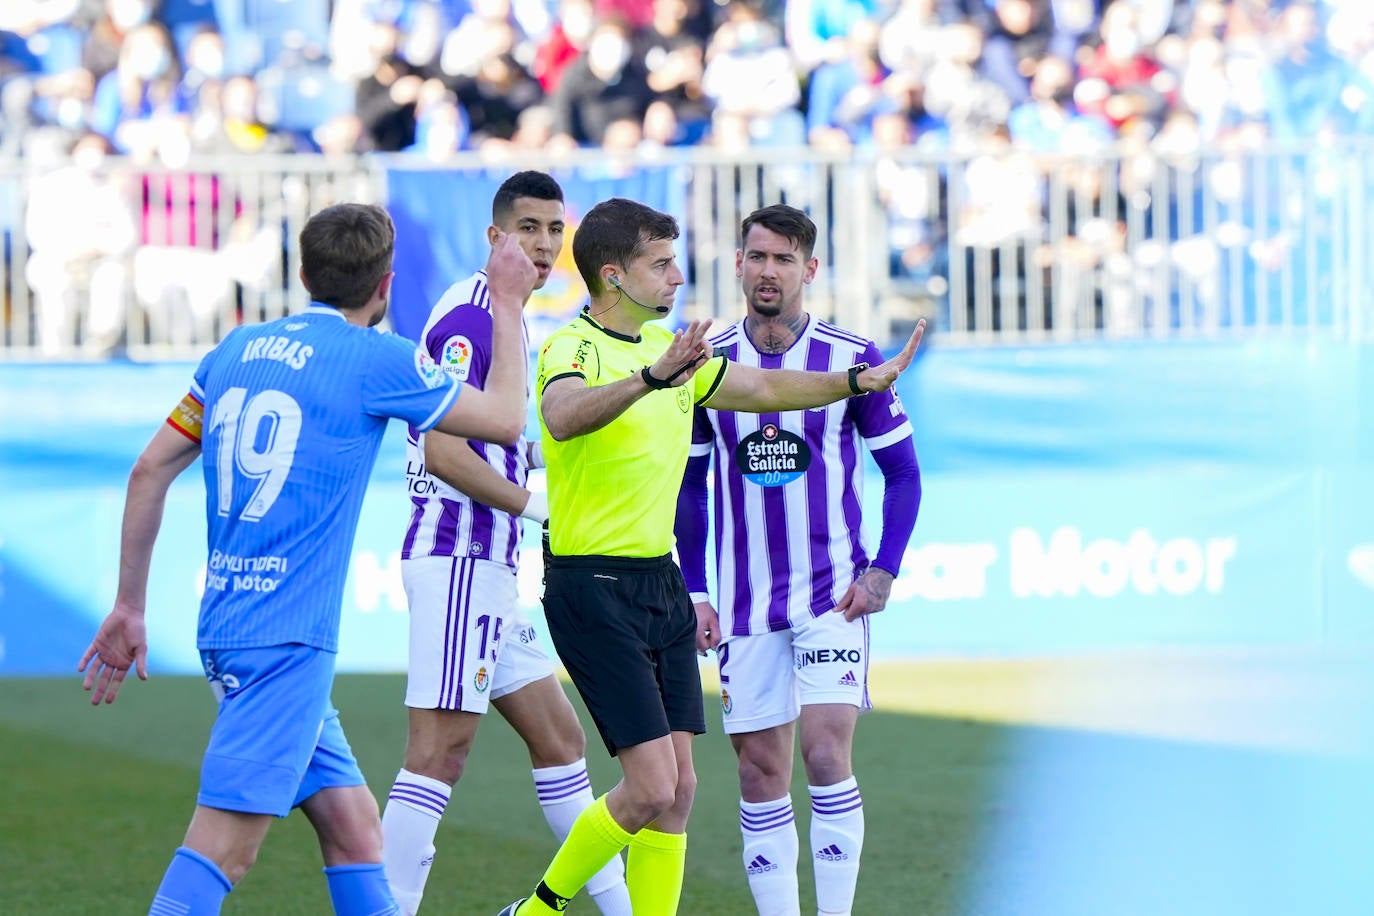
[{"x": 97, "y": 799}]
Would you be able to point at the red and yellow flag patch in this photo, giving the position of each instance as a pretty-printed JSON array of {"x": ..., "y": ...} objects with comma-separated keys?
[{"x": 188, "y": 417}]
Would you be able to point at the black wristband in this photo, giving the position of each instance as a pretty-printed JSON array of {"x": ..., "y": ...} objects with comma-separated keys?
[
  {"x": 854, "y": 371},
  {"x": 657, "y": 384}
]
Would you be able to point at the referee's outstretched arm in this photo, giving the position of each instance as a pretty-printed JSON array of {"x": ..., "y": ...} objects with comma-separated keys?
[{"x": 763, "y": 390}]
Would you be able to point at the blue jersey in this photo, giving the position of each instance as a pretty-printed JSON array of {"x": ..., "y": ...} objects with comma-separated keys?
[{"x": 294, "y": 412}]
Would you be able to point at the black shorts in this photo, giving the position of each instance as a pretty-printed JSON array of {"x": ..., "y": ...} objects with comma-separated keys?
[{"x": 625, "y": 629}]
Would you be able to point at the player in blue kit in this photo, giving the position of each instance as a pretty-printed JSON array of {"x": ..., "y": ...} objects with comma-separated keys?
[{"x": 289, "y": 417}]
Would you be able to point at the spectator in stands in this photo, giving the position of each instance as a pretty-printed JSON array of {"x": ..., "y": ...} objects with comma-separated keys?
[
  {"x": 661, "y": 128},
  {"x": 955, "y": 95},
  {"x": 674, "y": 58},
  {"x": 1121, "y": 80},
  {"x": 816, "y": 29},
  {"x": 441, "y": 125},
  {"x": 750, "y": 79},
  {"x": 1309, "y": 90},
  {"x": 1049, "y": 121},
  {"x": 909, "y": 192},
  {"x": 1201, "y": 68},
  {"x": 636, "y": 14},
  {"x": 1018, "y": 34},
  {"x": 534, "y": 133},
  {"x": 911, "y": 39},
  {"x": 847, "y": 94},
  {"x": 78, "y": 267},
  {"x": 498, "y": 89},
  {"x": 385, "y": 100},
  {"x": 999, "y": 218},
  {"x": 424, "y": 26},
  {"x": 604, "y": 85},
  {"x": 140, "y": 105},
  {"x": 227, "y": 120},
  {"x": 342, "y": 136},
  {"x": 564, "y": 43},
  {"x": 204, "y": 60},
  {"x": 100, "y": 52},
  {"x": 622, "y": 138},
  {"x": 489, "y": 29}
]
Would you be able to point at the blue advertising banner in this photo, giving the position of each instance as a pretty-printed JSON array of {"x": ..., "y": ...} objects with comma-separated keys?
[
  {"x": 441, "y": 234},
  {"x": 1075, "y": 499}
]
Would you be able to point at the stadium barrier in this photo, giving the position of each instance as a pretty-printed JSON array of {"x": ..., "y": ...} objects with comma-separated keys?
[
  {"x": 994, "y": 245},
  {"x": 1078, "y": 499}
]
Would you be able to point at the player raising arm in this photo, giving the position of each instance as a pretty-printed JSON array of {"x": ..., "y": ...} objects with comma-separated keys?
[
  {"x": 458, "y": 563},
  {"x": 616, "y": 394},
  {"x": 288, "y": 417},
  {"x": 790, "y": 552}
]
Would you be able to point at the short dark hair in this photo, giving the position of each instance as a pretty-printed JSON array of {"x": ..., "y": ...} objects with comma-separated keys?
[
  {"x": 788, "y": 222},
  {"x": 538, "y": 185},
  {"x": 346, "y": 249},
  {"x": 615, "y": 231}
]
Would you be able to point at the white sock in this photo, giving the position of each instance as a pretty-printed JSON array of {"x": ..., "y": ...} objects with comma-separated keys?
[
  {"x": 563, "y": 792},
  {"x": 837, "y": 841},
  {"x": 770, "y": 855},
  {"x": 409, "y": 822}
]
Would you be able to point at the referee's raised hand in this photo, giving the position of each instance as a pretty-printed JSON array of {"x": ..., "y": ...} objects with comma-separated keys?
[
  {"x": 881, "y": 377},
  {"x": 684, "y": 356}
]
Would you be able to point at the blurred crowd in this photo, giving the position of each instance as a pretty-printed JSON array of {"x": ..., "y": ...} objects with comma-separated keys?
[
  {"x": 165, "y": 79},
  {"x": 1076, "y": 126}
]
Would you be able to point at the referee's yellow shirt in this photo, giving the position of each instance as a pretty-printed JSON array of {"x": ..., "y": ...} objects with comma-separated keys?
[{"x": 613, "y": 492}]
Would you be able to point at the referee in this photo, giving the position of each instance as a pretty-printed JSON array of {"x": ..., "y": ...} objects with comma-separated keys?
[{"x": 616, "y": 397}]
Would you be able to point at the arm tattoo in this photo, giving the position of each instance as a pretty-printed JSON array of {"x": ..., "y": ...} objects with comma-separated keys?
[{"x": 878, "y": 587}]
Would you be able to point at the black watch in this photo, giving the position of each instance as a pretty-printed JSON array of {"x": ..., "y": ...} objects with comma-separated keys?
[
  {"x": 657, "y": 384},
  {"x": 854, "y": 371}
]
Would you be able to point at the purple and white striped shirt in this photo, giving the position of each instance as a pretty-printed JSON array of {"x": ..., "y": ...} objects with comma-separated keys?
[
  {"x": 445, "y": 522},
  {"x": 788, "y": 526}
]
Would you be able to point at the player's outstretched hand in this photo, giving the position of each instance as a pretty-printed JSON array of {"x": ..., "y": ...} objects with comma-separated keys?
[
  {"x": 881, "y": 378},
  {"x": 866, "y": 595},
  {"x": 121, "y": 642},
  {"x": 708, "y": 627},
  {"x": 510, "y": 273},
  {"x": 684, "y": 356}
]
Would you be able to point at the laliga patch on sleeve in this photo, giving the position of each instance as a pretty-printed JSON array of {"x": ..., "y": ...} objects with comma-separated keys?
[
  {"x": 428, "y": 369},
  {"x": 188, "y": 417},
  {"x": 457, "y": 357}
]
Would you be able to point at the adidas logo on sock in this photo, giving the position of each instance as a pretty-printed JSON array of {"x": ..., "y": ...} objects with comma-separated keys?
[
  {"x": 832, "y": 853},
  {"x": 849, "y": 680},
  {"x": 759, "y": 865}
]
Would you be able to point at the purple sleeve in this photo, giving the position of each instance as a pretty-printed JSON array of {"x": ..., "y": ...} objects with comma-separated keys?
[
  {"x": 882, "y": 421},
  {"x": 901, "y": 502},
  {"x": 460, "y": 342},
  {"x": 880, "y": 413},
  {"x": 691, "y": 525}
]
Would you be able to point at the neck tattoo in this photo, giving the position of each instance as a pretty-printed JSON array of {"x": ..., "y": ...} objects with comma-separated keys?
[{"x": 775, "y": 336}]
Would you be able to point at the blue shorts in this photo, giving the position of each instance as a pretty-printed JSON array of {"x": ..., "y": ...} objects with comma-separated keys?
[{"x": 277, "y": 739}]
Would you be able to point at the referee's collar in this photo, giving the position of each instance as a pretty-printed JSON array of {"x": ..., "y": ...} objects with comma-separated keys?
[{"x": 587, "y": 314}]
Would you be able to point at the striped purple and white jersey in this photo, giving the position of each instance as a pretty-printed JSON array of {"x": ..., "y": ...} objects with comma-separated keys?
[
  {"x": 788, "y": 526},
  {"x": 445, "y": 522}
]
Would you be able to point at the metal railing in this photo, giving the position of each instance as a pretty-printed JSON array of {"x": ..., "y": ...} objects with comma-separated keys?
[{"x": 994, "y": 246}]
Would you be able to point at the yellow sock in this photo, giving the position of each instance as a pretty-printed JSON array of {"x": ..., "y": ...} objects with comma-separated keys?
[
  {"x": 653, "y": 871},
  {"x": 594, "y": 838}
]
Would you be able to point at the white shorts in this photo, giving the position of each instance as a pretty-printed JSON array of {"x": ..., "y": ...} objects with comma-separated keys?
[
  {"x": 765, "y": 680},
  {"x": 469, "y": 643}
]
